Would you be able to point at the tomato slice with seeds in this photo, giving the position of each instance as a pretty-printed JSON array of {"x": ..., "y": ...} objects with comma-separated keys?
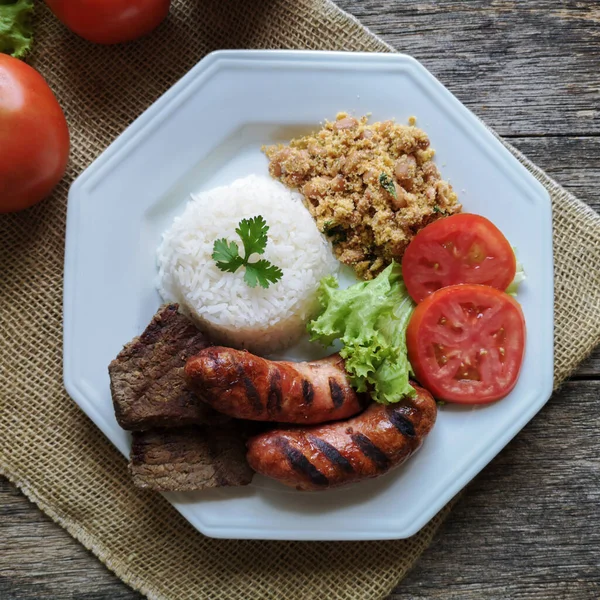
[
  {"x": 462, "y": 248},
  {"x": 466, "y": 343}
]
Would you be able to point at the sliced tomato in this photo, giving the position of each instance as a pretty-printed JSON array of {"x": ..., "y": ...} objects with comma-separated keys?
[
  {"x": 462, "y": 248},
  {"x": 466, "y": 343}
]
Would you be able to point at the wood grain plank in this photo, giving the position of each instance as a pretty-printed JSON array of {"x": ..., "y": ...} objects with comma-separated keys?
[
  {"x": 590, "y": 368},
  {"x": 560, "y": 97},
  {"x": 574, "y": 161},
  {"x": 528, "y": 526},
  {"x": 524, "y": 66},
  {"x": 39, "y": 560}
]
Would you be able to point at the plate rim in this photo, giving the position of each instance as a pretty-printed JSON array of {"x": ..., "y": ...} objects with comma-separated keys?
[{"x": 133, "y": 135}]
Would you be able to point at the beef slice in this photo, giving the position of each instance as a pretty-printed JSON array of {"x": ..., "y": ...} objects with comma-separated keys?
[
  {"x": 191, "y": 458},
  {"x": 147, "y": 380}
]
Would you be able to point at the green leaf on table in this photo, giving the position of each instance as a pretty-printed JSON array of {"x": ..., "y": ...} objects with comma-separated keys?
[{"x": 16, "y": 27}]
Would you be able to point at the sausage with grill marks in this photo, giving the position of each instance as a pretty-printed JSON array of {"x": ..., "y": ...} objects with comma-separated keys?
[
  {"x": 245, "y": 386},
  {"x": 336, "y": 454}
]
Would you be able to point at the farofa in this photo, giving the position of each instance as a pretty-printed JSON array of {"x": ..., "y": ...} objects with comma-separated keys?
[{"x": 370, "y": 188}]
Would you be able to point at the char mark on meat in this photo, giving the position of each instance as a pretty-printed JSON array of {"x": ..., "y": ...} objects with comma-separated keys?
[
  {"x": 250, "y": 388},
  {"x": 308, "y": 391},
  {"x": 332, "y": 454},
  {"x": 301, "y": 464},
  {"x": 275, "y": 395},
  {"x": 371, "y": 451},
  {"x": 337, "y": 393},
  {"x": 400, "y": 421}
]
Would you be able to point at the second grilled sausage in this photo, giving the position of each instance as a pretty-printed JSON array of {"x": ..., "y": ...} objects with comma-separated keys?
[
  {"x": 245, "y": 386},
  {"x": 326, "y": 456}
]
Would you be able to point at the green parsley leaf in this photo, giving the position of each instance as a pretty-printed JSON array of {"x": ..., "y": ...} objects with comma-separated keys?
[
  {"x": 437, "y": 209},
  {"x": 387, "y": 183},
  {"x": 226, "y": 255},
  {"x": 328, "y": 226},
  {"x": 262, "y": 272},
  {"x": 253, "y": 233},
  {"x": 338, "y": 235}
]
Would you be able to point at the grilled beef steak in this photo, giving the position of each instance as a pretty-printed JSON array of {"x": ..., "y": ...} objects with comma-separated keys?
[
  {"x": 192, "y": 458},
  {"x": 147, "y": 382}
]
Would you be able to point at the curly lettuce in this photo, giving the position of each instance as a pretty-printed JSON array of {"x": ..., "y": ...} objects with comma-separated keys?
[
  {"x": 370, "y": 319},
  {"x": 520, "y": 277},
  {"x": 16, "y": 27}
]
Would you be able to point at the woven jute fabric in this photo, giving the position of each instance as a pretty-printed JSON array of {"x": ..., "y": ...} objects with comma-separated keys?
[{"x": 57, "y": 456}]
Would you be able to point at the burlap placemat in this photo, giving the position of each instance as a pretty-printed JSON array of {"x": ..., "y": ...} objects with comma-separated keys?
[{"x": 58, "y": 457}]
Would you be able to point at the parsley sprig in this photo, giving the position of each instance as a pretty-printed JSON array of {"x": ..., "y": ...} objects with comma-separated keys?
[
  {"x": 253, "y": 233},
  {"x": 387, "y": 183}
]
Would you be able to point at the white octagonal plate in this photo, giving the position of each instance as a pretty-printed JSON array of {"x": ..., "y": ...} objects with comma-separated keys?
[{"x": 207, "y": 130}]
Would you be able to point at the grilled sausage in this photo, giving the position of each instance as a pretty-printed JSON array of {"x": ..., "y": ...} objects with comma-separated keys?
[
  {"x": 321, "y": 457},
  {"x": 245, "y": 386}
]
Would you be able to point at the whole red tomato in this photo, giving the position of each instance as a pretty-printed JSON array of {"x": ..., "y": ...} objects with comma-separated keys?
[
  {"x": 110, "y": 21},
  {"x": 34, "y": 138}
]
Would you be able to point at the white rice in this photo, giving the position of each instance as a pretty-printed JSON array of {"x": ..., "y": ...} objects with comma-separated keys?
[{"x": 222, "y": 304}]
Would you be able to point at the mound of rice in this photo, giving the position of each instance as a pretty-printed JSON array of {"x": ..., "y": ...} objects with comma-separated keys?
[{"x": 222, "y": 304}]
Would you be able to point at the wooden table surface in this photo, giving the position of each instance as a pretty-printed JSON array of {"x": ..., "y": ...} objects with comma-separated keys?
[{"x": 528, "y": 527}]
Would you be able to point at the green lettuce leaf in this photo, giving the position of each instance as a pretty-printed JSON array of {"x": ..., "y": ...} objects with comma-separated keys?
[
  {"x": 16, "y": 27},
  {"x": 520, "y": 276},
  {"x": 370, "y": 319}
]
